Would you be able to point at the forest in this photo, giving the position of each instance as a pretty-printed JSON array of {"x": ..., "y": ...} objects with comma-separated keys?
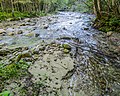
[
  {"x": 107, "y": 10},
  {"x": 59, "y": 47}
]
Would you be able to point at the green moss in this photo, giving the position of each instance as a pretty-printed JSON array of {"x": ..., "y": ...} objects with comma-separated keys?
[
  {"x": 13, "y": 70},
  {"x": 66, "y": 51},
  {"x": 6, "y": 93},
  {"x": 66, "y": 46}
]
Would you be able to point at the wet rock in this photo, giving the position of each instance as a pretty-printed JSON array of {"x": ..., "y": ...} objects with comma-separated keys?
[
  {"x": 31, "y": 34},
  {"x": 23, "y": 24},
  {"x": 20, "y": 32},
  {"x": 45, "y": 26},
  {"x": 24, "y": 54},
  {"x": 51, "y": 51},
  {"x": 13, "y": 43},
  {"x": 38, "y": 49},
  {"x": 27, "y": 19},
  {"x": 4, "y": 52},
  {"x": 37, "y": 34},
  {"x": 10, "y": 29},
  {"x": 42, "y": 48},
  {"x": 11, "y": 33},
  {"x": 3, "y": 44},
  {"x": 2, "y": 31},
  {"x": 78, "y": 17},
  {"x": 35, "y": 56},
  {"x": 10, "y": 19},
  {"x": 54, "y": 45},
  {"x": 49, "y": 19},
  {"x": 64, "y": 28},
  {"x": 35, "y": 49},
  {"x": 86, "y": 28},
  {"x": 117, "y": 49},
  {"x": 67, "y": 38},
  {"x": 51, "y": 69},
  {"x": 109, "y": 33}
]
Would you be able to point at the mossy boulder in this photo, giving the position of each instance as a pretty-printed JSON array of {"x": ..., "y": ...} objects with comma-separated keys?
[
  {"x": 66, "y": 46},
  {"x": 66, "y": 51}
]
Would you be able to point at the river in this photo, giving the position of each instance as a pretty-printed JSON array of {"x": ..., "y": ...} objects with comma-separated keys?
[{"x": 93, "y": 63}]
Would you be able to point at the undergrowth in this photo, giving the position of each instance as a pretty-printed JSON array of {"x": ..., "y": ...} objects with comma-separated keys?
[
  {"x": 18, "y": 15},
  {"x": 13, "y": 70},
  {"x": 108, "y": 23}
]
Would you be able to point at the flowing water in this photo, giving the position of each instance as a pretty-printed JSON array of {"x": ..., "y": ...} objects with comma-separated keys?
[{"x": 97, "y": 60}]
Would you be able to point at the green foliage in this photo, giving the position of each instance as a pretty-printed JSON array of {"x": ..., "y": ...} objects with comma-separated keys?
[
  {"x": 110, "y": 23},
  {"x": 4, "y": 15},
  {"x": 6, "y": 93},
  {"x": 32, "y": 8},
  {"x": 80, "y": 5},
  {"x": 13, "y": 70},
  {"x": 19, "y": 15},
  {"x": 114, "y": 21}
]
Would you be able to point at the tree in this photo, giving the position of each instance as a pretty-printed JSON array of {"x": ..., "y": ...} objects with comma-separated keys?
[{"x": 97, "y": 8}]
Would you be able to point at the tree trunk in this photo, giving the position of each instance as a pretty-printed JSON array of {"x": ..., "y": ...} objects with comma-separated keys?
[
  {"x": 12, "y": 8},
  {"x": 97, "y": 9},
  {"x": 99, "y": 5},
  {"x": 2, "y": 7}
]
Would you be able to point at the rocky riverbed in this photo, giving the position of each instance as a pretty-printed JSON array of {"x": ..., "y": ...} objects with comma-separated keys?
[{"x": 59, "y": 55}]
